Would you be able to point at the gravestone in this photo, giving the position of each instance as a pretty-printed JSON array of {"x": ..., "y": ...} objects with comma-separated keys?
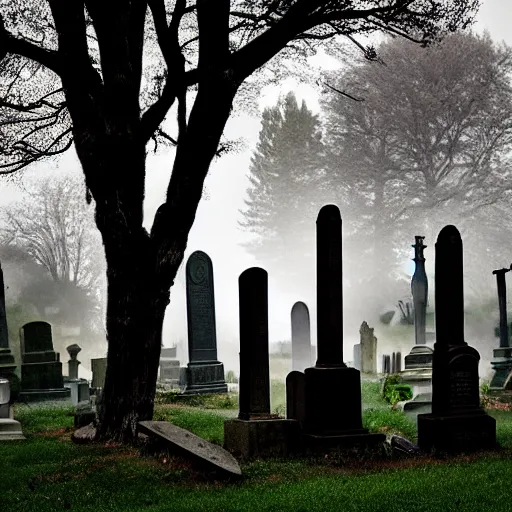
[
  {"x": 295, "y": 396},
  {"x": 457, "y": 422},
  {"x": 257, "y": 432},
  {"x": 204, "y": 373},
  {"x": 41, "y": 369},
  {"x": 301, "y": 341},
  {"x": 368, "y": 349},
  {"x": 357, "y": 356},
  {"x": 7, "y": 362},
  {"x": 333, "y": 411},
  {"x": 99, "y": 371},
  {"x": 169, "y": 366}
]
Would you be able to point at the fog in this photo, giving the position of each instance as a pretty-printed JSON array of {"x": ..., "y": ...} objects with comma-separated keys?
[{"x": 217, "y": 233}]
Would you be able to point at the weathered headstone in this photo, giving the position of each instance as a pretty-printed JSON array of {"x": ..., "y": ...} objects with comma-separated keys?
[
  {"x": 256, "y": 432},
  {"x": 192, "y": 447},
  {"x": 301, "y": 340},
  {"x": 41, "y": 369},
  {"x": 357, "y": 356},
  {"x": 502, "y": 362},
  {"x": 204, "y": 374},
  {"x": 457, "y": 422},
  {"x": 169, "y": 366},
  {"x": 331, "y": 424},
  {"x": 368, "y": 349},
  {"x": 295, "y": 396}
]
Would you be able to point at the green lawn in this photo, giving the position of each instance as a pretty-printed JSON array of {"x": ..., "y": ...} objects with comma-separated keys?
[{"x": 47, "y": 472}]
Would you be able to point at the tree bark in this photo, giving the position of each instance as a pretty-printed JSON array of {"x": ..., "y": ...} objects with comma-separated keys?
[{"x": 135, "y": 313}]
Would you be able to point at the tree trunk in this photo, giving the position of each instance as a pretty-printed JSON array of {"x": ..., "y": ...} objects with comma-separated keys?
[{"x": 135, "y": 313}]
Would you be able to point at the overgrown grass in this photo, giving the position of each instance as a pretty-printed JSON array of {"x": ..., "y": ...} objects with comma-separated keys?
[
  {"x": 47, "y": 473},
  {"x": 214, "y": 401}
]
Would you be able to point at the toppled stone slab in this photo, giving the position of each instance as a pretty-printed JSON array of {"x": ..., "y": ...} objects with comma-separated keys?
[
  {"x": 404, "y": 446},
  {"x": 193, "y": 447}
]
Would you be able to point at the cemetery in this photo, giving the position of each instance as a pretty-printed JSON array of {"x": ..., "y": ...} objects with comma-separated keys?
[
  {"x": 254, "y": 256},
  {"x": 323, "y": 415}
]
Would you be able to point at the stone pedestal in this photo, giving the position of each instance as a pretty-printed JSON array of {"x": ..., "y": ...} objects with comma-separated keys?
[
  {"x": 420, "y": 381},
  {"x": 332, "y": 401},
  {"x": 205, "y": 377},
  {"x": 502, "y": 366},
  {"x": 457, "y": 433},
  {"x": 263, "y": 438}
]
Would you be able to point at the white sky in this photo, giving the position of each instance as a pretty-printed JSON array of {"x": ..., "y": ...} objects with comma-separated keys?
[{"x": 215, "y": 230}]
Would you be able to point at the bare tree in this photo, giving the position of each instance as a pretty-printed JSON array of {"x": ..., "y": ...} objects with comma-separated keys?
[
  {"x": 96, "y": 59},
  {"x": 427, "y": 145}
]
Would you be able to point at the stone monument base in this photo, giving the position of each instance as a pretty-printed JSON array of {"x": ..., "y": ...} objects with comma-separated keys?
[
  {"x": 262, "y": 438},
  {"x": 420, "y": 380},
  {"x": 456, "y": 432},
  {"x": 502, "y": 366},
  {"x": 332, "y": 402},
  {"x": 358, "y": 441},
  {"x": 10, "y": 430},
  {"x": 44, "y": 395},
  {"x": 205, "y": 378}
]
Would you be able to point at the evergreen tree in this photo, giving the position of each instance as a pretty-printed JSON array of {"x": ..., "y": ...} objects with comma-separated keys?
[{"x": 286, "y": 187}]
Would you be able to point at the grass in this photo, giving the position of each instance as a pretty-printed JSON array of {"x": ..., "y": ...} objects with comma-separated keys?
[{"x": 48, "y": 473}]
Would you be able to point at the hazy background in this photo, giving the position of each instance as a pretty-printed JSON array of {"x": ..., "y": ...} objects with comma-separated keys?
[{"x": 216, "y": 231}]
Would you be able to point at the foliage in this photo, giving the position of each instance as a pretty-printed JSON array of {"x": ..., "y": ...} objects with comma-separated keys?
[
  {"x": 393, "y": 390},
  {"x": 283, "y": 198},
  {"x": 425, "y": 143}
]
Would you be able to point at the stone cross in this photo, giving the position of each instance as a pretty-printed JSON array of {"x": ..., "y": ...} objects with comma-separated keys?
[
  {"x": 301, "y": 341},
  {"x": 419, "y": 289},
  {"x": 202, "y": 336},
  {"x": 502, "y": 301},
  {"x": 329, "y": 284},
  {"x": 254, "y": 386}
]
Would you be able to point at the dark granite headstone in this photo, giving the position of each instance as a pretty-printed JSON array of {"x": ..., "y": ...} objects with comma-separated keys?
[
  {"x": 254, "y": 394},
  {"x": 41, "y": 369},
  {"x": 204, "y": 373},
  {"x": 328, "y": 423},
  {"x": 457, "y": 423},
  {"x": 301, "y": 341},
  {"x": 295, "y": 396},
  {"x": 256, "y": 432}
]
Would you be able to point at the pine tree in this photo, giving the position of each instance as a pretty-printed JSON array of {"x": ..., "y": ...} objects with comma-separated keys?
[{"x": 286, "y": 187}]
